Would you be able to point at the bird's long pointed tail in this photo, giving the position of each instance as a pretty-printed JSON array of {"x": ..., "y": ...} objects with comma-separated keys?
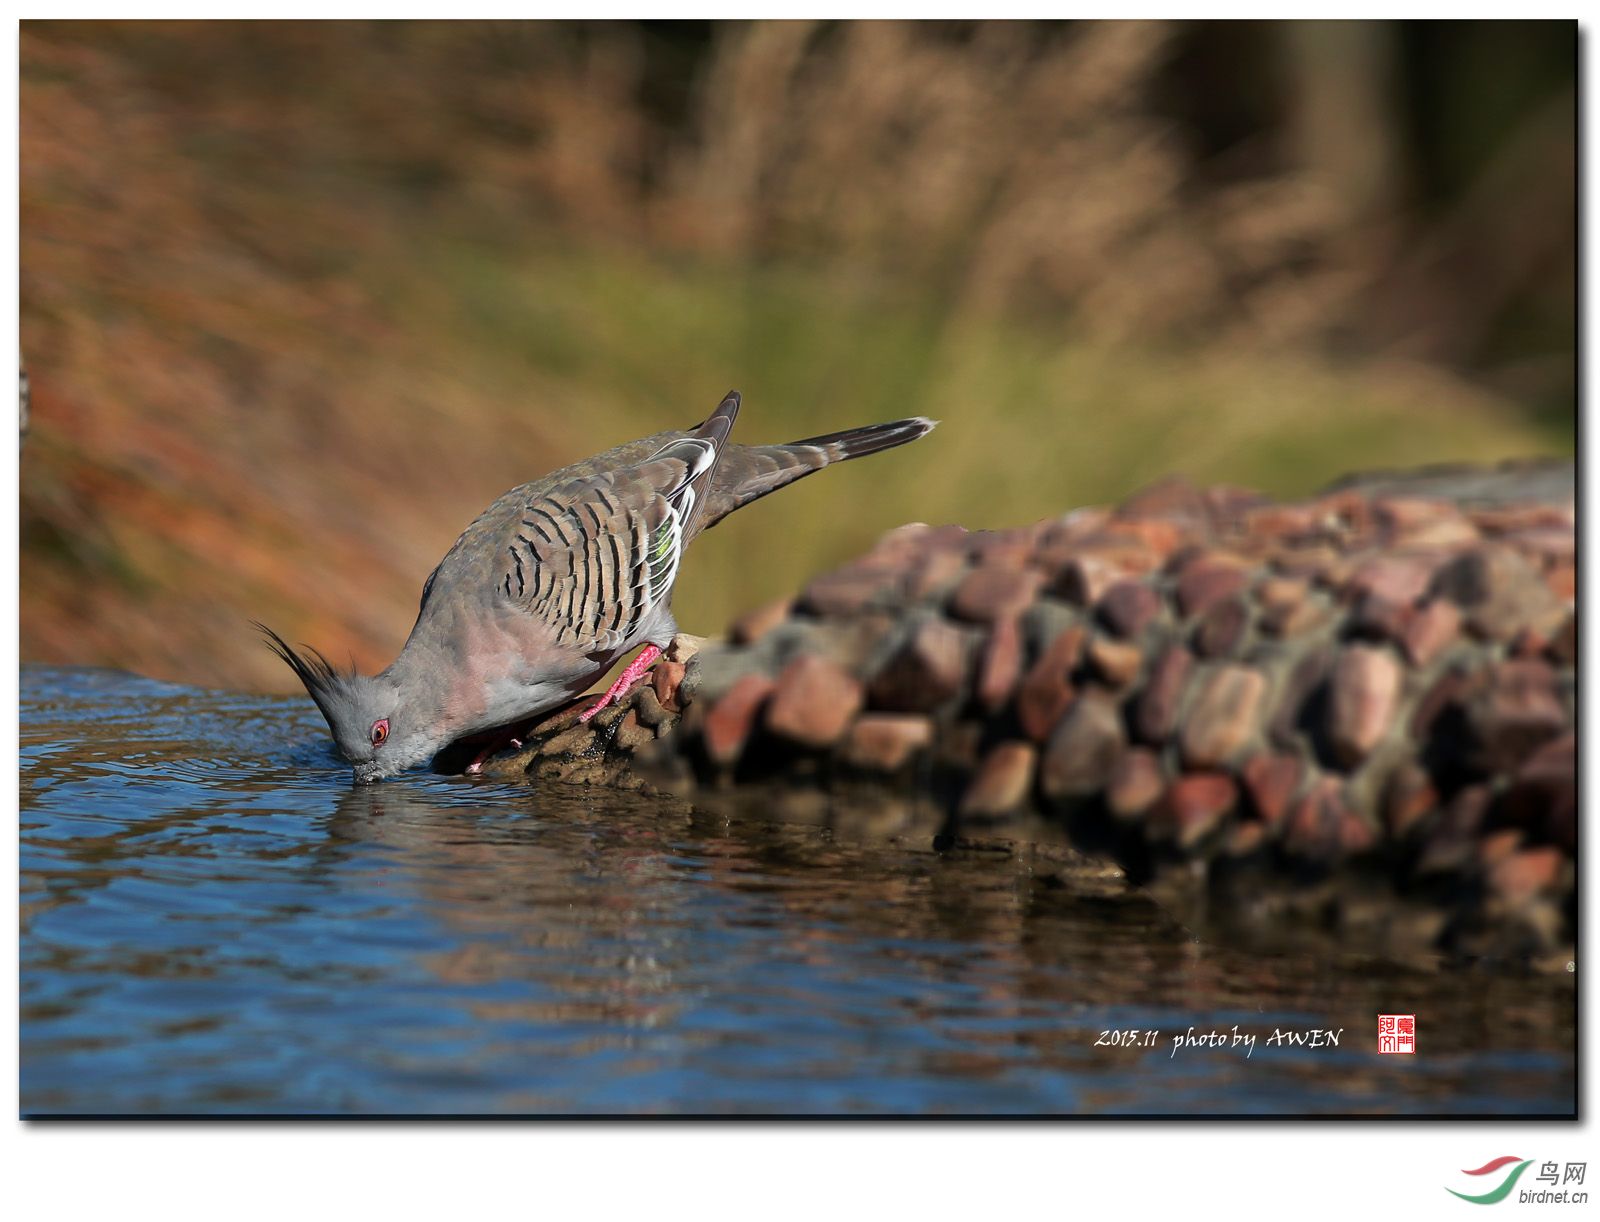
[{"x": 748, "y": 473}]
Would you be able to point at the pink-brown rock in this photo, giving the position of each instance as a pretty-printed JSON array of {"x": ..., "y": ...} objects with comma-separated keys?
[
  {"x": 1408, "y": 797},
  {"x": 1399, "y": 579},
  {"x": 1002, "y": 783},
  {"x": 960, "y": 744},
  {"x": 1282, "y": 593},
  {"x": 1116, "y": 663},
  {"x": 1228, "y": 504},
  {"x": 1194, "y": 806},
  {"x": 1288, "y": 721},
  {"x": 1507, "y": 519},
  {"x": 1522, "y": 876},
  {"x": 1085, "y": 578},
  {"x": 728, "y": 724},
  {"x": 1347, "y": 511},
  {"x": 1047, "y": 689},
  {"x": 847, "y": 590},
  {"x": 885, "y": 742},
  {"x": 1499, "y": 591},
  {"x": 1319, "y": 563},
  {"x": 1271, "y": 781},
  {"x": 1452, "y": 840},
  {"x": 1173, "y": 497},
  {"x": 1417, "y": 522},
  {"x": 1003, "y": 549},
  {"x": 1286, "y": 522},
  {"x": 927, "y": 671},
  {"x": 1399, "y": 514},
  {"x": 1562, "y": 578},
  {"x": 813, "y": 702},
  {"x": 1208, "y": 579},
  {"x": 1128, "y": 607},
  {"x": 1135, "y": 783},
  {"x": 1286, "y": 620},
  {"x": 896, "y": 546},
  {"x": 1544, "y": 793},
  {"x": 1516, "y": 712},
  {"x": 913, "y": 541},
  {"x": 753, "y": 625},
  {"x": 1432, "y": 628},
  {"x": 1081, "y": 752},
  {"x": 1160, "y": 537},
  {"x": 1545, "y": 542},
  {"x": 1365, "y": 691},
  {"x": 1244, "y": 838},
  {"x": 1376, "y": 617},
  {"x": 1497, "y": 846},
  {"x": 633, "y": 731},
  {"x": 1316, "y": 826},
  {"x": 938, "y": 572},
  {"x": 1000, "y": 665},
  {"x": 991, "y": 592},
  {"x": 1445, "y": 699},
  {"x": 1156, "y": 715},
  {"x": 1357, "y": 834},
  {"x": 1527, "y": 644},
  {"x": 1222, "y": 628},
  {"x": 1223, "y": 717},
  {"x": 648, "y": 704},
  {"x": 666, "y": 677},
  {"x": 1564, "y": 643},
  {"x": 1059, "y": 541}
]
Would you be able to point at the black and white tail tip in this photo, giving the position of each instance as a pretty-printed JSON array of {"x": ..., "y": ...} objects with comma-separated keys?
[{"x": 855, "y": 443}]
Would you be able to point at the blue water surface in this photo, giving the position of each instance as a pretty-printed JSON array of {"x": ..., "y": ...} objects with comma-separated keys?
[{"x": 214, "y": 921}]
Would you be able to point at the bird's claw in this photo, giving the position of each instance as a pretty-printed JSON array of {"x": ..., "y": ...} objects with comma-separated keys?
[{"x": 636, "y": 670}]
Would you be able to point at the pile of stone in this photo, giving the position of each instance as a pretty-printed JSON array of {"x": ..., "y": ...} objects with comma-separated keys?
[{"x": 1357, "y": 708}]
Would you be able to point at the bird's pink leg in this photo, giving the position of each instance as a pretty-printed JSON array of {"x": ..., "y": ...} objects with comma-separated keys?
[
  {"x": 493, "y": 745},
  {"x": 636, "y": 671}
]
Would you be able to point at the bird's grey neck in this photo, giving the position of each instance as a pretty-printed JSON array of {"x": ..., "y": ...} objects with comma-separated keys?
[{"x": 427, "y": 687}]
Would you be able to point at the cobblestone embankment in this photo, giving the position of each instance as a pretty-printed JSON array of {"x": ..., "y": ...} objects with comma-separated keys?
[{"x": 1356, "y": 711}]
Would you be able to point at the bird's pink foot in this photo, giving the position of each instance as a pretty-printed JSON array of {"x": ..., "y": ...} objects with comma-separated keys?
[
  {"x": 494, "y": 744},
  {"x": 636, "y": 670}
]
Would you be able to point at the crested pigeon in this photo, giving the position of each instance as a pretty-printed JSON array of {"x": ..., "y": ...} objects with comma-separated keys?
[{"x": 554, "y": 583}]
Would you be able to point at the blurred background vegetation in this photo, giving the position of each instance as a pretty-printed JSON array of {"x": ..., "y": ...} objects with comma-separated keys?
[{"x": 300, "y": 299}]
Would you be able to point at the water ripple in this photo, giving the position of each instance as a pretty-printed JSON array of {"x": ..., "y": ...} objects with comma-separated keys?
[{"x": 215, "y": 921}]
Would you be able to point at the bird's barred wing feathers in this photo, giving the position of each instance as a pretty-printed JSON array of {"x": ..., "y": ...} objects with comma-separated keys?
[{"x": 593, "y": 557}]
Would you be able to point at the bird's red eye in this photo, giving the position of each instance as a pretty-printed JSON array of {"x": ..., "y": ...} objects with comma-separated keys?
[{"x": 380, "y": 732}]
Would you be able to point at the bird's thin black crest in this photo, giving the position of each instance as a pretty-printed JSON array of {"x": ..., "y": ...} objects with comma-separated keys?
[{"x": 321, "y": 677}]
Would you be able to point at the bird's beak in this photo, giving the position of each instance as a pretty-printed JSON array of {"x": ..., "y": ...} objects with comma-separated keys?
[{"x": 366, "y": 774}]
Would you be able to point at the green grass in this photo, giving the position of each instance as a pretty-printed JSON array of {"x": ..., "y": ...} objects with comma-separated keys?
[{"x": 616, "y": 345}]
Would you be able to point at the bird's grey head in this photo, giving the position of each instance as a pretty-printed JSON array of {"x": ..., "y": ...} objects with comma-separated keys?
[{"x": 373, "y": 725}]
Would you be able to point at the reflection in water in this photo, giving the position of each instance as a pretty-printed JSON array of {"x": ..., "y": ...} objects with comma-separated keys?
[{"x": 214, "y": 920}]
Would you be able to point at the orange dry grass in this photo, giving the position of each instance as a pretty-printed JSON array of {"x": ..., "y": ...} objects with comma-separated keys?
[
  {"x": 209, "y": 432},
  {"x": 272, "y": 273}
]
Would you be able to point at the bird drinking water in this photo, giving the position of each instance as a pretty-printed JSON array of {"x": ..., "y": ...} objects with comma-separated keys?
[{"x": 553, "y": 583}]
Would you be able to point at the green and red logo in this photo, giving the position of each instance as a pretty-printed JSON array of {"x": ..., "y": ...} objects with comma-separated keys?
[{"x": 1501, "y": 1190}]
